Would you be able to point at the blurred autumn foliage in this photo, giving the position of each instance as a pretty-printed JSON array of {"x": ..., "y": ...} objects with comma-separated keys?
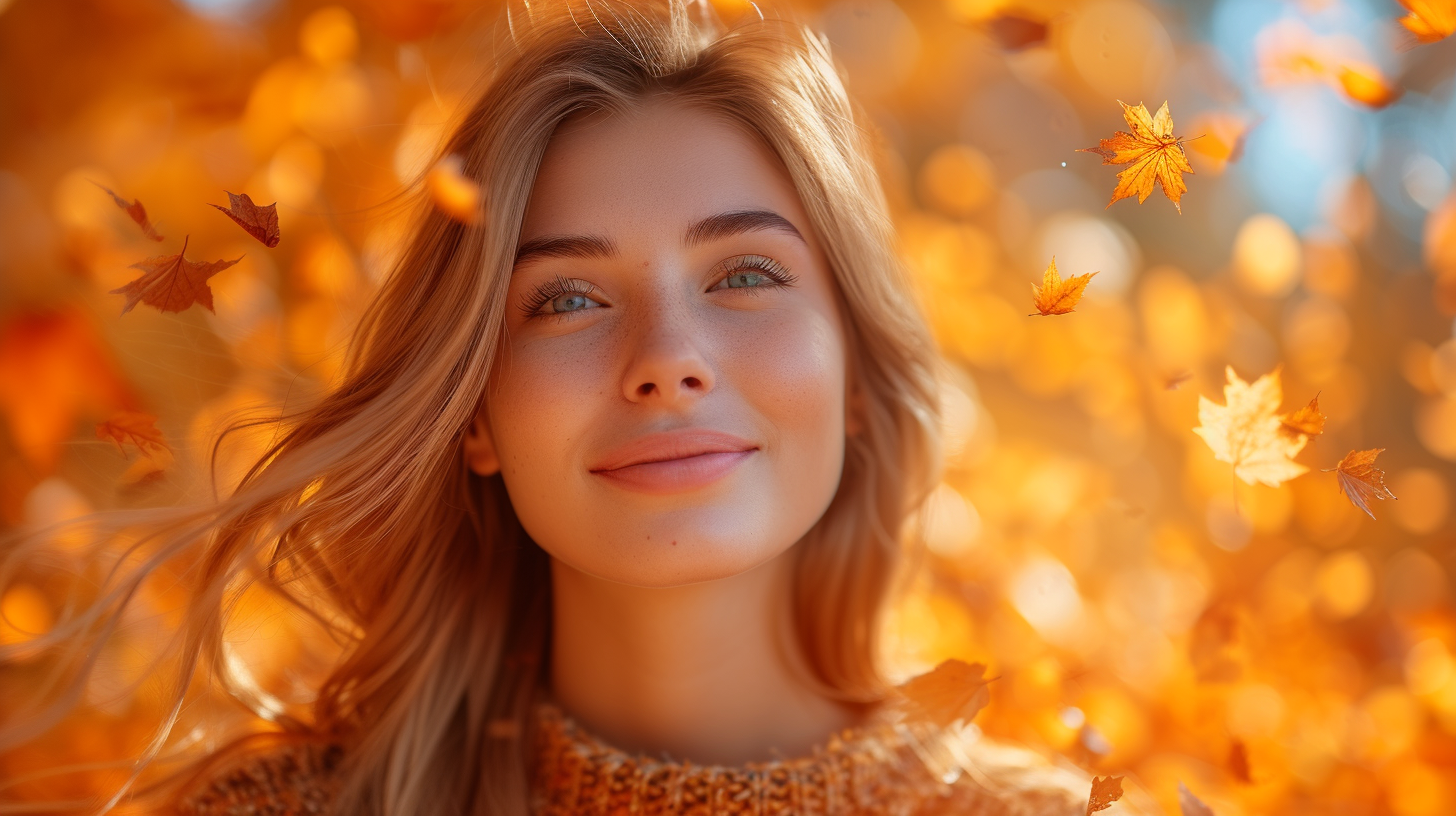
[{"x": 1220, "y": 644}]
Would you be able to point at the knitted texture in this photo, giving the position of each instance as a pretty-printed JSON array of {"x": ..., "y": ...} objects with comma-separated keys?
[
  {"x": 884, "y": 769},
  {"x": 288, "y": 780}
]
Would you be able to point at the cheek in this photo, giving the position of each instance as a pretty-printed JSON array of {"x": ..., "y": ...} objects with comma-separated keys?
[
  {"x": 789, "y": 365},
  {"x": 542, "y": 398}
]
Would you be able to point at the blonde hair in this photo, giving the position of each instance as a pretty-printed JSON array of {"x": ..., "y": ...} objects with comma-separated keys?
[{"x": 364, "y": 514}]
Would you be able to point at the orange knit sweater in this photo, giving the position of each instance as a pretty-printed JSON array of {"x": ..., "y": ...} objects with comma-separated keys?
[{"x": 883, "y": 768}]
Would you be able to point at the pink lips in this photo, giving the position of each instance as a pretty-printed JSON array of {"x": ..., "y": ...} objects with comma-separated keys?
[{"x": 674, "y": 461}]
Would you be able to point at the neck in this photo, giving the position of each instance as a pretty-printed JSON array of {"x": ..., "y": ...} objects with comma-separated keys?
[{"x": 706, "y": 672}]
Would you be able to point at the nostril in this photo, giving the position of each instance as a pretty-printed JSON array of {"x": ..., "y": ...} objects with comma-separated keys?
[
  {"x": 645, "y": 388},
  {"x": 691, "y": 382}
]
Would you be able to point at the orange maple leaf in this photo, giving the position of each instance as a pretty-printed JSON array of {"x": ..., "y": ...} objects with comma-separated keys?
[
  {"x": 1105, "y": 791},
  {"x": 172, "y": 283},
  {"x": 1366, "y": 85},
  {"x": 1238, "y": 762},
  {"x": 1307, "y": 420},
  {"x": 1172, "y": 381},
  {"x": 1361, "y": 480},
  {"x": 1056, "y": 296},
  {"x": 953, "y": 690},
  {"x": 1222, "y": 142},
  {"x": 259, "y": 222},
  {"x": 140, "y": 431},
  {"x": 1013, "y": 31},
  {"x": 55, "y": 369},
  {"x": 134, "y": 209},
  {"x": 1213, "y": 648},
  {"x": 454, "y": 193},
  {"x": 1151, "y": 152},
  {"x": 1429, "y": 20},
  {"x": 1191, "y": 805}
]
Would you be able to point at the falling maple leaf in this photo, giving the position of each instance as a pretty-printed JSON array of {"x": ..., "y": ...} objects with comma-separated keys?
[
  {"x": 132, "y": 428},
  {"x": 1221, "y": 139},
  {"x": 1290, "y": 52},
  {"x": 1013, "y": 31},
  {"x": 172, "y": 283},
  {"x": 259, "y": 222},
  {"x": 453, "y": 192},
  {"x": 1105, "y": 791},
  {"x": 1238, "y": 762},
  {"x": 55, "y": 369},
  {"x": 1307, "y": 420},
  {"x": 1361, "y": 480},
  {"x": 1213, "y": 648},
  {"x": 1172, "y": 381},
  {"x": 1365, "y": 84},
  {"x": 1247, "y": 432},
  {"x": 1429, "y": 20},
  {"x": 1151, "y": 152},
  {"x": 134, "y": 209},
  {"x": 1191, "y": 805},
  {"x": 953, "y": 690},
  {"x": 140, "y": 431},
  {"x": 1056, "y": 296}
]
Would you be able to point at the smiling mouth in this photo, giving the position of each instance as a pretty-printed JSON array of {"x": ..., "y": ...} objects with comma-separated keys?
[{"x": 675, "y": 462}]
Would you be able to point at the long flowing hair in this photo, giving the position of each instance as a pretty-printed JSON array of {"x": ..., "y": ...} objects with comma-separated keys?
[{"x": 363, "y": 513}]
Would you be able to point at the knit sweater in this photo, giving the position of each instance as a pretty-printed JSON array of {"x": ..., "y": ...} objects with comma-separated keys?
[{"x": 894, "y": 769}]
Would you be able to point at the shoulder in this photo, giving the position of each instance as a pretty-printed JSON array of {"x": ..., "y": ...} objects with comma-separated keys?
[{"x": 273, "y": 777}]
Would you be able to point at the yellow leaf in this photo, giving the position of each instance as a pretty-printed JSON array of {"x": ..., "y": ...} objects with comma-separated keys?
[
  {"x": 1247, "y": 432},
  {"x": 953, "y": 690},
  {"x": 1056, "y": 296},
  {"x": 1151, "y": 152}
]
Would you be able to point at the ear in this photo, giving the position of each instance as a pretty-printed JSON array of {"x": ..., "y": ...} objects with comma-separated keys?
[{"x": 480, "y": 455}]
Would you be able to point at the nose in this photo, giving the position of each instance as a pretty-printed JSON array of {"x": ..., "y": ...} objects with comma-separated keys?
[{"x": 667, "y": 368}]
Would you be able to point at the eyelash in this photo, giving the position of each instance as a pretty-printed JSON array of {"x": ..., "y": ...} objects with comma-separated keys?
[
  {"x": 558, "y": 286},
  {"x": 553, "y": 289}
]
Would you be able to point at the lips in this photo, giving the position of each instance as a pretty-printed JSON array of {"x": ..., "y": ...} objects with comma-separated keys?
[{"x": 674, "y": 461}]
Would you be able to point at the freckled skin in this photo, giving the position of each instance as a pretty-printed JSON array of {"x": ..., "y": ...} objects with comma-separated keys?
[{"x": 663, "y": 352}]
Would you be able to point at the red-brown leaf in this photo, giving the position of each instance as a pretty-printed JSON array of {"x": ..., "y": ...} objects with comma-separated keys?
[
  {"x": 1238, "y": 762},
  {"x": 134, "y": 209},
  {"x": 1361, "y": 479},
  {"x": 1014, "y": 32},
  {"x": 953, "y": 690},
  {"x": 172, "y": 283},
  {"x": 259, "y": 222},
  {"x": 1105, "y": 791},
  {"x": 132, "y": 428}
]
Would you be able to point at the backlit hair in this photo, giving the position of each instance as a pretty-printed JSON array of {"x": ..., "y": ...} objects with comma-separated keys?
[{"x": 364, "y": 513}]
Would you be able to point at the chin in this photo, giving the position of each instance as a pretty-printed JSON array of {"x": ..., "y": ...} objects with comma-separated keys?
[{"x": 677, "y": 555}]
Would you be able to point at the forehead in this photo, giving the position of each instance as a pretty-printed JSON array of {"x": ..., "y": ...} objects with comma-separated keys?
[{"x": 652, "y": 169}]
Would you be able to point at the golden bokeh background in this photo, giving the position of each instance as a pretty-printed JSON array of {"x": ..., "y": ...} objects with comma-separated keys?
[{"x": 1145, "y": 613}]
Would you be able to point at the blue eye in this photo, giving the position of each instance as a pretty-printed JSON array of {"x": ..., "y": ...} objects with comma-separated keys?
[
  {"x": 742, "y": 279},
  {"x": 573, "y": 302},
  {"x": 753, "y": 272},
  {"x": 560, "y": 297}
]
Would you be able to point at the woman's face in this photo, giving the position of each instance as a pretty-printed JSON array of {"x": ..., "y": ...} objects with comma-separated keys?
[{"x": 669, "y": 399}]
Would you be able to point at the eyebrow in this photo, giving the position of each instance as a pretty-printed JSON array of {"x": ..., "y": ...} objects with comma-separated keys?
[{"x": 712, "y": 228}]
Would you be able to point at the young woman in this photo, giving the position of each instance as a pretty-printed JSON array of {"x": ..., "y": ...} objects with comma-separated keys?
[{"x": 613, "y": 494}]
